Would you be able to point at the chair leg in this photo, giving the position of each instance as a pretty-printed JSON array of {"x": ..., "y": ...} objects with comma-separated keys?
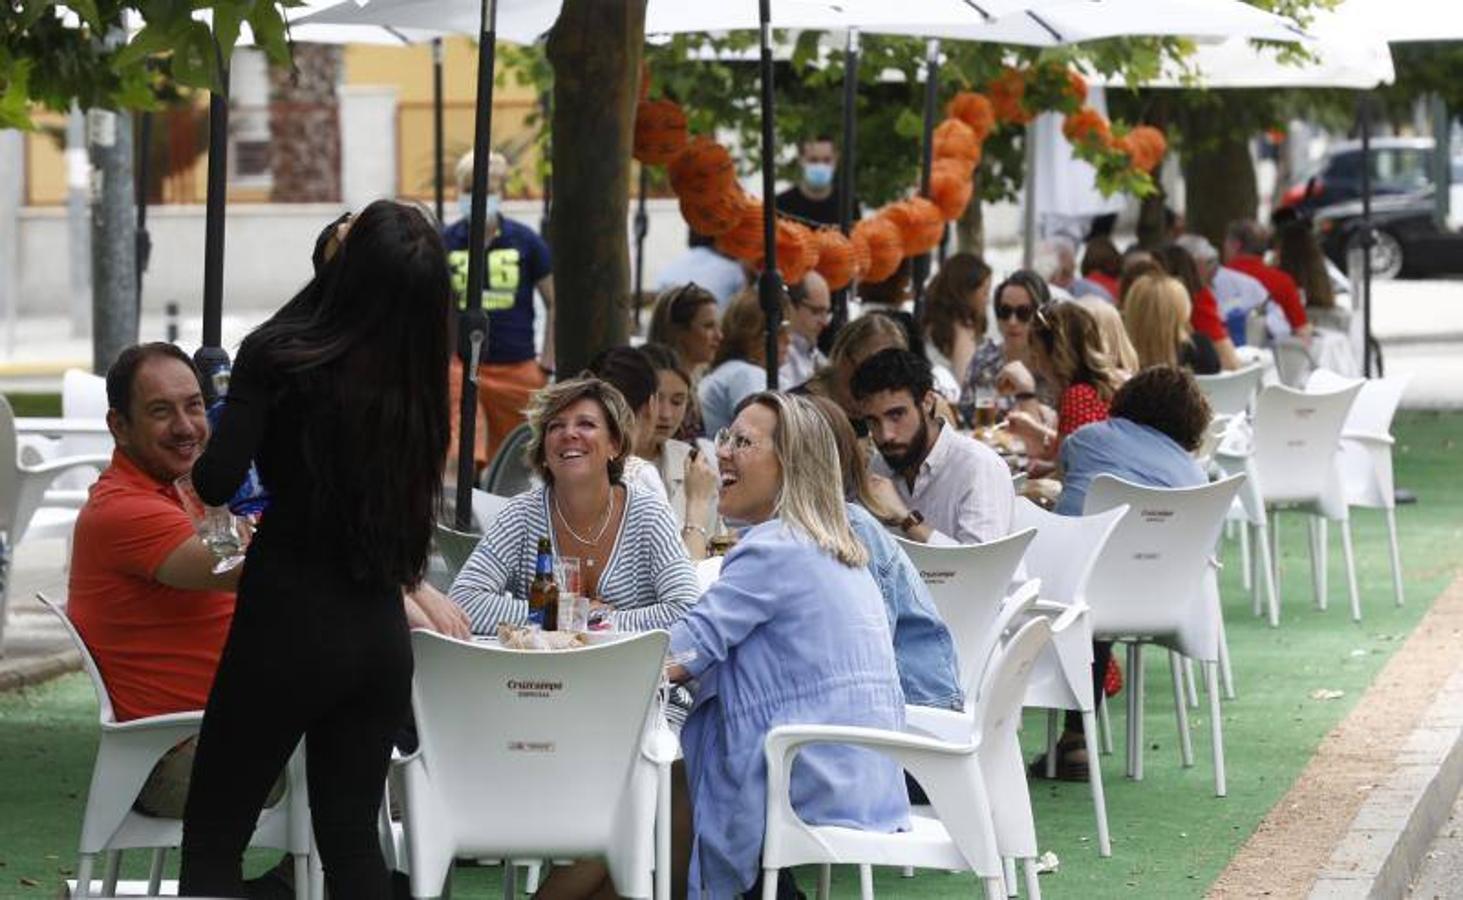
[
  {"x": 532, "y": 872},
  {"x": 1094, "y": 779},
  {"x": 1106, "y": 720},
  {"x": 304, "y": 889},
  {"x": 155, "y": 871},
  {"x": 993, "y": 889},
  {"x": 1033, "y": 889},
  {"x": 317, "y": 876},
  {"x": 1135, "y": 711},
  {"x": 866, "y": 882},
  {"x": 1396, "y": 554},
  {"x": 906, "y": 872},
  {"x": 83, "y": 875},
  {"x": 510, "y": 880},
  {"x": 1265, "y": 569},
  {"x": 110, "y": 873},
  {"x": 1181, "y": 708},
  {"x": 1226, "y": 671},
  {"x": 1350, "y": 559},
  {"x": 663, "y": 832},
  {"x": 825, "y": 882},
  {"x": 1216, "y": 729},
  {"x": 1051, "y": 743},
  {"x": 1008, "y": 875},
  {"x": 6, "y": 558},
  {"x": 1321, "y": 561},
  {"x": 1245, "y": 562},
  {"x": 1275, "y": 545},
  {"x": 769, "y": 884},
  {"x": 1192, "y": 689}
]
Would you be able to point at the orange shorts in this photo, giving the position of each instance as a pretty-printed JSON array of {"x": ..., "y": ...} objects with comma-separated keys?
[{"x": 504, "y": 390}]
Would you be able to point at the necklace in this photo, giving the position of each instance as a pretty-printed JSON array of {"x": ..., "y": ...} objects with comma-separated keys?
[{"x": 587, "y": 542}]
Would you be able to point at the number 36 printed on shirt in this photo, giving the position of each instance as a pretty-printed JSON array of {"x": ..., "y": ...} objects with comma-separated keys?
[{"x": 504, "y": 272}]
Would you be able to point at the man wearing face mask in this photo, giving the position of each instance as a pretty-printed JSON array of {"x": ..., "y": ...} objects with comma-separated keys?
[
  {"x": 517, "y": 264},
  {"x": 816, "y": 197},
  {"x": 940, "y": 486}
]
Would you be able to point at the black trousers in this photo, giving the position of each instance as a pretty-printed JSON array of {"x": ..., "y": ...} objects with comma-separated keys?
[
  {"x": 311, "y": 656},
  {"x": 1101, "y": 654}
]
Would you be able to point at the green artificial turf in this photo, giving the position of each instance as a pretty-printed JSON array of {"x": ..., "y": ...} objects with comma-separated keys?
[
  {"x": 41, "y": 404},
  {"x": 1171, "y": 835}
]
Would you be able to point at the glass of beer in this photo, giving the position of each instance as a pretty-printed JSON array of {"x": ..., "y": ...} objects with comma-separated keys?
[
  {"x": 985, "y": 406},
  {"x": 573, "y": 602}
]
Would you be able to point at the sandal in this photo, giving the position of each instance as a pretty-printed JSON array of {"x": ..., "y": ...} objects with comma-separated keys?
[{"x": 1068, "y": 769}]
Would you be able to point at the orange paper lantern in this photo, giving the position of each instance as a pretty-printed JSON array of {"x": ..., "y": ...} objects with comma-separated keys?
[
  {"x": 974, "y": 110},
  {"x": 744, "y": 240},
  {"x": 837, "y": 262},
  {"x": 886, "y": 246},
  {"x": 1006, "y": 92},
  {"x": 919, "y": 222},
  {"x": 702, "y": 171},
  {"x": 715, "y": 216},
  {"x": 1148, "y": 147},
  {"x": 862, "y": 259},
  {"x": 953, "y": 138},
  {"x": 660, "y": 131},
  {"x": 950, "y": 191},
  {"x": 1076, "y": 86},
  {"x": 797, "y": 251},
  {"x": 1087, "y": 125}
]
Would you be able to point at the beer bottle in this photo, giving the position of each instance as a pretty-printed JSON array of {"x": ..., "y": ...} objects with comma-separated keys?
[{"x": 543, "y": 593}]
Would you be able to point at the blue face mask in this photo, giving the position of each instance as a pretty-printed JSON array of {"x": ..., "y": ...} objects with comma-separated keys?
[
  {"x": 464, "y": 204},
  {"x": 818, "y": 175}
]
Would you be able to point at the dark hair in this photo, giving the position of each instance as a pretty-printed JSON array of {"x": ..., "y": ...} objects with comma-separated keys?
[
  {"x": 675, "y": 309},
  {"x": 364, "y": 346},
  {"x": 123, "y": 372},
  {"x": 744, "y": 327},
  {"x": 1299, "y": 256},
  {"x": 1165, "y": 398},
  {"x": 890, "y": 292},
  {"x": 1134, "y": 269},
  {"x": 629, "y": 371},
  {"x": 1180, "y": 264},
  {"x": 948, "y": 302},
  {"x": 1033, "y": 284},
  {"x": 663, "y": 359},
  {"x": 1248, "y": 234},
  {"x": 893, "y": 370},
  {"x": 819, "y": 138},
  {"x": 1101, "y": 255}
]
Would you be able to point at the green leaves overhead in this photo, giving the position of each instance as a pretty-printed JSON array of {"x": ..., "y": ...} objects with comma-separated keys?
[{"x": 53, "y": 54}]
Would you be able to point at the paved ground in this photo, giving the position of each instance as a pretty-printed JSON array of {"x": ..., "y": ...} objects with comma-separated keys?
[
  {"x": 1442, "y": 874},
  {"x": 36, "y": 646}
]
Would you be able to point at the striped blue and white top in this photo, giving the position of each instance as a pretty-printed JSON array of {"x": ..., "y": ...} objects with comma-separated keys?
[{"x": 648, "y": 578}]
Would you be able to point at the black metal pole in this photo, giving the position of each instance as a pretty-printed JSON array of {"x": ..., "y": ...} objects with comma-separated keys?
[
  {"x": 769, "y": 285},
  {"x": 546, "y": 104},
  {"x": 472, "y": 329},
  {"x": 846, "y": 167},
  {"x": 439, "y": 174},
  {"x": 144, "y": 240},
  {"x": 642, "y": 228},
  {"x": 213, "y": 229},
  {"x": 1368, "y": 237},
  {"x": 920, "y": 271}
]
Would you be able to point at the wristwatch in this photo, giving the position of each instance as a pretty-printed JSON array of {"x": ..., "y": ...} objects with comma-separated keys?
[{"x": 914, "y": 518}]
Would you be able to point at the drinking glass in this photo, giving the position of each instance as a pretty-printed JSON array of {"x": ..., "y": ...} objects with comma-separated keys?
[
  {"x": 215, "y": 525},
  {"x": 985, "y": 406},
  {"x": 573, "y": 604}
]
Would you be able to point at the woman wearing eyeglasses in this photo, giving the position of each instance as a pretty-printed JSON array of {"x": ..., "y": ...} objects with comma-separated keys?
[
  {"x": 1004, "y": 367},
  {"x": 1067, "y": 348},
  {"x": 793, "y": 631}
]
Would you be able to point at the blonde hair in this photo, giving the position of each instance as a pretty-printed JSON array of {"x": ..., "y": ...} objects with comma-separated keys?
[
  {"x": 1157, "y": 318},
  {"x": 1069, "y": 336},
  {"x": 554, "y": 399},
  {"x": 497, "y": 168},
  {"x": 810, "y": 500},
  {"x": 1114, "y": 336}
]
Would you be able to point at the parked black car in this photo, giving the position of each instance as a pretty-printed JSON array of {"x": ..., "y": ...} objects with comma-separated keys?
[
  {"x": 1400, "y": 165},
  {"x": 1409, "y": 240}
]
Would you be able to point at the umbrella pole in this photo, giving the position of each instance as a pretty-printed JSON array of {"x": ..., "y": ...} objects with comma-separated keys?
[
  {"x": 920, "y": 271},
  {"x": 769, "y": 285},
  {"x": 438, "y": 132},
  {"x": 1028, "y": 204},
  {"x": 1368, "y": 238},
  {"x": 211, "y": 359},
  {"x": 144, "y": 240},
  {"x": 846, "y": 170},
  {"x": 472, "y": 328},
  {"x": 642, "y": 227}
]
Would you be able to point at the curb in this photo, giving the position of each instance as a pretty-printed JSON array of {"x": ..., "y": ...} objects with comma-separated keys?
[
  {"x": 30, "y": 672},
  {"x": 1383, "y": 849}
]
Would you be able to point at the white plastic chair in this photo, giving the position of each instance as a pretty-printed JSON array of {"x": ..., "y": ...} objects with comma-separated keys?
[
  {"x": 532, "y": 755},
  {"x": 1296, "y": 457},
  {"x": 1366, "y": 451},
  {"x": 83, "y": 396},
  {"x": 708, "y": 570},
  {"x": 964, "y": 833},
  {"x": 1155, "y": 583},
  {"x": 1062, "y": 556},
  {"x": 1231, "y": 393},
  {"x": 455, "y": 547},
  {"x": 23, "y": 512},
  {"x": 126, "y": 755},
  {"x": 507, "y": 474},
  {"x": 1234, "y": 455},
  {"x": 485, "y": 508}
]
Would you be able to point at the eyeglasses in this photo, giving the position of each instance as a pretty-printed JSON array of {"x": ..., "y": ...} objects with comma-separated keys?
[
  {"x": 726, "y": 438},
  {"x": 1023, "y": 314}
]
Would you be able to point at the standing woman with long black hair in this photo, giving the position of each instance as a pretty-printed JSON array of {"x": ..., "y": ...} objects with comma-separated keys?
[{"x": 341, "y": 399}]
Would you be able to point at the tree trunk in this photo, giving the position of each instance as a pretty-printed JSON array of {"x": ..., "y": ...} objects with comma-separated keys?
[
  {"x": 595, "y": 49},
  {"x": 113, "y": 237},
  {"x": 1219, "y": 179},
  {"x": 1152, "y": 230},
  {"x": 970, "y": 227},
  {"x": 304, "y": 127}
]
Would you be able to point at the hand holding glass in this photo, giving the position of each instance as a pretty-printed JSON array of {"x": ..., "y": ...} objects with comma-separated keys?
[{"x": 215, "y": 525}]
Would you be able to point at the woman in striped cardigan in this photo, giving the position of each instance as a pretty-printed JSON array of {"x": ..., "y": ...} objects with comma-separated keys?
[{"x": 633, "y": 564}]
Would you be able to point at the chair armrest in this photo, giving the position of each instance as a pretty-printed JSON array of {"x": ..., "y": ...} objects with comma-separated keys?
[
  {"x": 784, "y": 741},
  {"x": 1366, "y": 437},
  {"x": 192, "y": 718},
  {"x": 954, "y": 726},
  {"x": 660, "y": 746},
  {"x": 67, "y": 499},
  {"x": 1031, "y": 587},
  {"x": 56, "y": 466}
]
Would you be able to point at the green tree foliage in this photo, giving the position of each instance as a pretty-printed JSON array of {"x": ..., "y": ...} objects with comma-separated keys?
[{"x": 53, "y": 54}]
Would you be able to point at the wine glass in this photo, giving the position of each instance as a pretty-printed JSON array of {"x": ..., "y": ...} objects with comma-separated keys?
[{"x": 215, "y": 525}]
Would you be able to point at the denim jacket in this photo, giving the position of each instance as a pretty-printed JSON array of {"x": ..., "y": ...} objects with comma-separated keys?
[{"x": 923, "y": 648}]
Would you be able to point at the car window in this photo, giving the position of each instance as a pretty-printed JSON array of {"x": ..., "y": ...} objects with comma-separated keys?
[
  {"x": 1345, "y": 166},
  {"x": 1401, "y": 169}
]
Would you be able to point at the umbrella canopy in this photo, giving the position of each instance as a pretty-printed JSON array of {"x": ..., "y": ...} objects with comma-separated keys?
[{"x": 1075, "y": 21}]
